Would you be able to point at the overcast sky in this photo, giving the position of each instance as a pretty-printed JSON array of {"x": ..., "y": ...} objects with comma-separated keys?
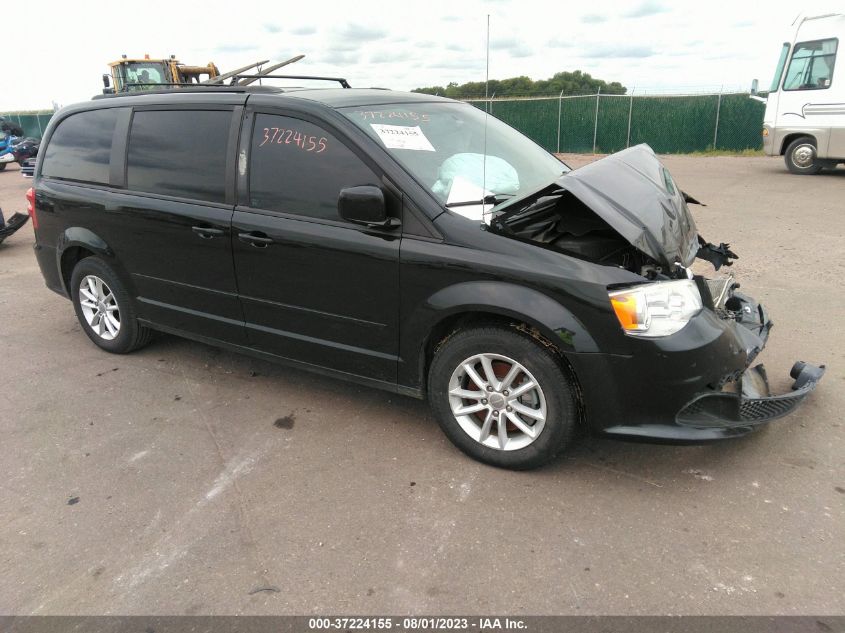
[{"x": 60, "y": 53}]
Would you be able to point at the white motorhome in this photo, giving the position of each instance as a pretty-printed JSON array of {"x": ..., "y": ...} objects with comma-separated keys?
[{"x": 805, "y": 109}]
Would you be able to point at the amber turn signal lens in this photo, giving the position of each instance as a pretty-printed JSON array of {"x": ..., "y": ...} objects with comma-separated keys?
[{"x": 625, "y": 307}]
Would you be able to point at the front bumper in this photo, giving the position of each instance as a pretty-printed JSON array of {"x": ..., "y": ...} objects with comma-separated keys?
[
  {"x": 753, "y": 404},
  {"x": 694, "y": 386}
]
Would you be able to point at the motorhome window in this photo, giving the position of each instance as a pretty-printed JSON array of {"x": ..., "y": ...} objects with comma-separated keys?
[
  {"x": 784, "y": 52},
  {"x": 811, "y": 66}
]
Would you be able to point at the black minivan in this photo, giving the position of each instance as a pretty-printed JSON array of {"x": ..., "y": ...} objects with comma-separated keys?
[{"x": 411, "y": 243}]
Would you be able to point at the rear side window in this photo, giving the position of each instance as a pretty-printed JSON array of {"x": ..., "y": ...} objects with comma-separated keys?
[
  {"x": 179, "y": 153},
  {"x": 80, "y": 147},
  {"x": 298, "y": 167}
]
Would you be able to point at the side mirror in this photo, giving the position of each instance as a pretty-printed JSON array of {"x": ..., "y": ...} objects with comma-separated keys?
[
  {"x": 754, "y": 86},
  {"x": 364, "y": 205},
  {"x": 106, "y": 81}
]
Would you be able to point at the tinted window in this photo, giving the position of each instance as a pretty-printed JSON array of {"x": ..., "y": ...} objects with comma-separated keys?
[
  {"x": 298, "y": 167},
  {"x": 179, "y": 153},
  {"x": 811, "y": 66},
  {"x": 81, "y": 146}
]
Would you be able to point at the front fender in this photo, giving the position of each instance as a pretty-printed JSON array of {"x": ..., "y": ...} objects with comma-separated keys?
[
  {"x": 526, "y": 305},
  {"x": 553, "y": 320}
]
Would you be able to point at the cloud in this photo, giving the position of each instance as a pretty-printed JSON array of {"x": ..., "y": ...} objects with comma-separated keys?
[
  {"x": 593, "y": 18},
  {"x": 272, "y": 28},
  {"x": 343, "y": 46},
  {"x": 513, "y": 46},
  {"x": 234, "y": 48},
  {"x": 304, "y": 30},
  {"x": 558, "y": 42},
  {"x": 610, "y": 52},
  {"x": 522, "y": 50},
  {"x": 503, "y": 43},
  {"x": 390, "y": 57},
  {"x": 457, "y": 64},
  {"x": 645, "y": 9},
  {"x": 338, "y": 58},
  {"x": 360, "y": 32}
]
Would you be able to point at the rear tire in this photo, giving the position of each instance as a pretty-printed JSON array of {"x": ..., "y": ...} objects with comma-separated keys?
[
  {"x": 104, "y": 308},
  {"x": 481, "y": 376},
  {"x": 801, "y": 158}
]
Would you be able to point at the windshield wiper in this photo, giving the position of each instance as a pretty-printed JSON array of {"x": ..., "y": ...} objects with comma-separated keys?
[{"x": 493, "y": 198}]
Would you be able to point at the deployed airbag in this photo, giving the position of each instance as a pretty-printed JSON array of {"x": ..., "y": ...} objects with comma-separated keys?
[{"x": 498, "y": 177}]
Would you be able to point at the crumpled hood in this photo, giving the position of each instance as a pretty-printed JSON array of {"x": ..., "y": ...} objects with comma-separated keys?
[{"x": 634, "y": 193}]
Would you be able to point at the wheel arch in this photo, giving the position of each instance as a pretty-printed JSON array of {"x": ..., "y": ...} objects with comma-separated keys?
[
  {"x": 75, "y": 244},
  {"x": 457, "y": 322},
  {"x": 792, "y": 136}
]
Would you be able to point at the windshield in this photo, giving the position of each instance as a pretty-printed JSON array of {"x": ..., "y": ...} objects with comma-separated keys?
[
  {"x": 779, "y": 70},
  {"x": 145, "y": 73},
  {"x": 811, "y": 67},
  {"x": 443, "y": 146}
]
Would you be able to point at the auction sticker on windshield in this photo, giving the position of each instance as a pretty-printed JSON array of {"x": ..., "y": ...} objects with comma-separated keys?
[{"x": 402, "y": 137}]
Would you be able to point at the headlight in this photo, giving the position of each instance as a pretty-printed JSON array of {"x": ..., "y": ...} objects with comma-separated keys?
[{"x": 656, "y": 309}]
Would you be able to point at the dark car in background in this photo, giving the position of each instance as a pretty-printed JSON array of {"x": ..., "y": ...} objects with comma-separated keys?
[{"x": 410, "y": 243}]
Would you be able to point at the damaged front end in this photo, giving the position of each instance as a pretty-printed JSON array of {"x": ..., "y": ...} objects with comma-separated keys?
[
  {"x": 744, "y": 399},
  {"x": 625, "y": 211}
]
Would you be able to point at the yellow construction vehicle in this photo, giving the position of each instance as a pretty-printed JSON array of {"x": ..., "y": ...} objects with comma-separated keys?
[
  {"x": 145, "y": 74},
  {"x": 149, "y": 74}
]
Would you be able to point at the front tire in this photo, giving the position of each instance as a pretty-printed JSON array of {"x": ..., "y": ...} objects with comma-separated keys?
[
  {"x": 801, "y": 157},
  {"x": 502, "y": 398},
  {"x": 105, "y": 309}
]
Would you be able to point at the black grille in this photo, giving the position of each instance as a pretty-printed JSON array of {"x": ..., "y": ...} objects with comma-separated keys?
[
  {"x": 769, "y": 408},
  {"x": 729, "y": 410}
]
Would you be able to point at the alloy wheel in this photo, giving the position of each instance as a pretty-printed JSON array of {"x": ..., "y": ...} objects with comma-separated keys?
[
  {"x": 99, "y": 307},
  {"x": 497, "y": 402}
]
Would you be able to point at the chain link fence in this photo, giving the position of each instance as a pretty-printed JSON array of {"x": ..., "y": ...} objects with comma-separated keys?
[
  {"x": 670, "y": 124},
  {"x": 33, "y": 124}
]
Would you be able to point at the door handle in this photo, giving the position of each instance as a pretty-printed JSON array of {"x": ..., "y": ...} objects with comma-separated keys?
[
  {"x": 206, "y": 232},
  {"x": 259, "y": 240}
]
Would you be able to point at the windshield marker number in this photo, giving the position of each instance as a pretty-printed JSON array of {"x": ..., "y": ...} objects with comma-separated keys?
[
  {"x": 281, "y": 136},
  {"x": 395, "y": 114}
]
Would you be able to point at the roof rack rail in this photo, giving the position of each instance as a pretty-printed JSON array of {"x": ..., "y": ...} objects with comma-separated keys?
[
  {"x": 340, "y": 80},
  {"x": 186, "y": 87}
]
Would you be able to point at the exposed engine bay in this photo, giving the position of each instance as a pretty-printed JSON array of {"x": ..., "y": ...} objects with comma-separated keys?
[
  {"x": 562, "y": 222},
  {"x": 558, "y": 220}
]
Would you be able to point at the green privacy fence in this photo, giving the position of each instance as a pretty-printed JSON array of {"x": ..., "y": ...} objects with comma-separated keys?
[
  {"x": 670, "y": 124},
  {"x": 33, "y": 124}
]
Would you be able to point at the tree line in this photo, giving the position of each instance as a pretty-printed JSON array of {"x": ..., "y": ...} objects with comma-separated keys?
[{"x": 571, "y": 83}]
